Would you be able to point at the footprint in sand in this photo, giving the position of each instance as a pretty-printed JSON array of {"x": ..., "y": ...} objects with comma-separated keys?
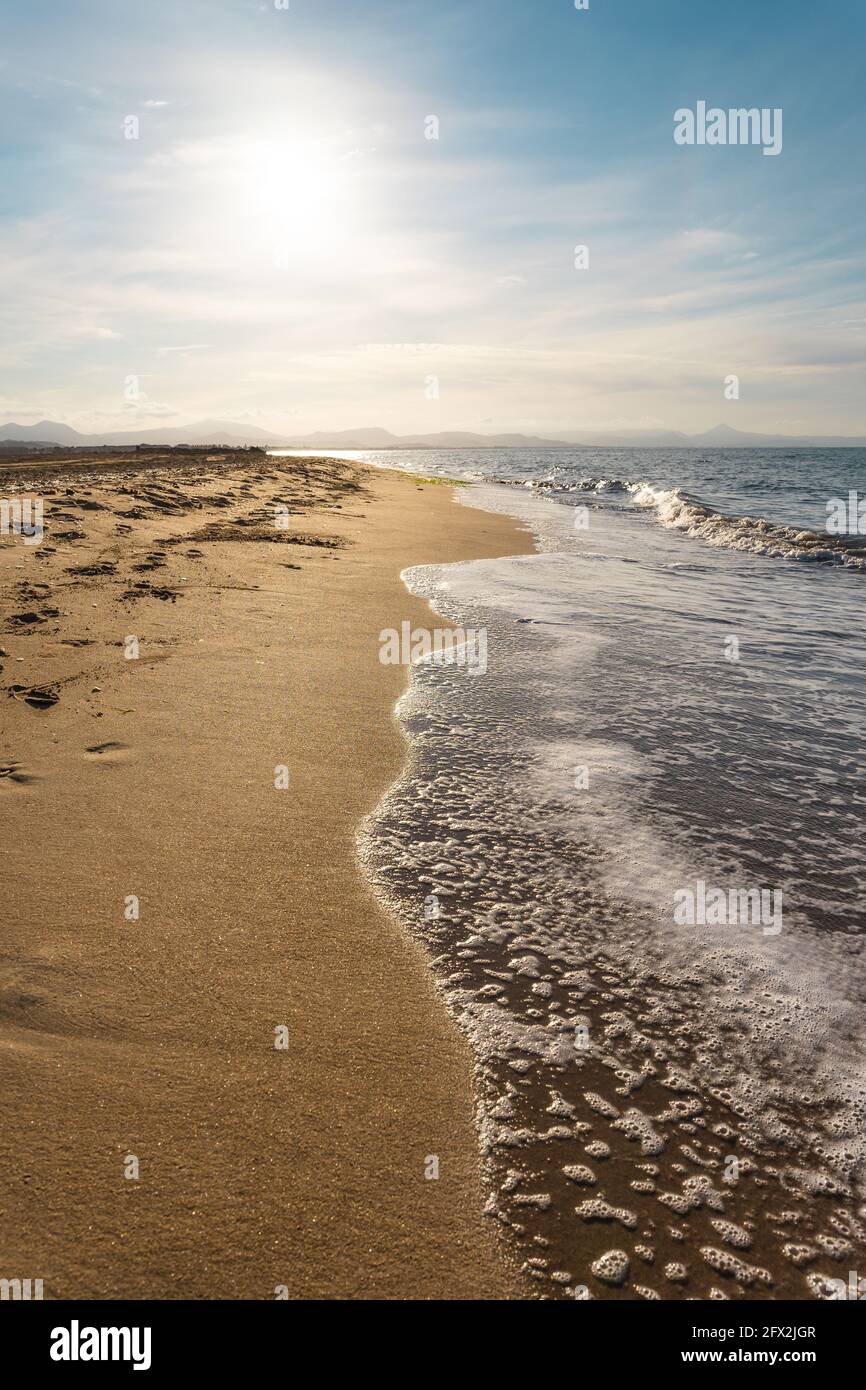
[
  {"x": 26, "y": 619},
  {"x": 37, "y": 696},
  {"x": 103, "y": 567},
  {"x": 108, "y": 754},
  {"x": 16, "y": 1004},
  {"x": 14, "y": 772}
]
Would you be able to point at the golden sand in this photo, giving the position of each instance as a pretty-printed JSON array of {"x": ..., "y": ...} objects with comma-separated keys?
[{"x": 148, "y": 1044}]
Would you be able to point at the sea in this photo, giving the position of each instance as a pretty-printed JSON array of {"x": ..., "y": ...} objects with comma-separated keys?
[{"x": 633, "y": 847}]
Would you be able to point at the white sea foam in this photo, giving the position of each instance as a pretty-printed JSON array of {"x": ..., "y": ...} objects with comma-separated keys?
[
  {"x": 556, "y": 945},
  {"x": 675, "y": 510}
]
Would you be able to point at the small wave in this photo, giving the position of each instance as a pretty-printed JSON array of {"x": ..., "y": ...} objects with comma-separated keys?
[
  {"x": 674, "y": 509},
  {"x": 552, "y": 484},
  {"x": 750, "y": 533}
]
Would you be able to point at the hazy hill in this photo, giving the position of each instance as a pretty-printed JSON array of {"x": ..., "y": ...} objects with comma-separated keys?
[
  {"x": 205, "y": 432},
  {"x": 215, "y": 432}
]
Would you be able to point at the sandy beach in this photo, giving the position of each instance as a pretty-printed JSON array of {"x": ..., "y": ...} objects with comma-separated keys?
[{"x": 173, "y": 915}]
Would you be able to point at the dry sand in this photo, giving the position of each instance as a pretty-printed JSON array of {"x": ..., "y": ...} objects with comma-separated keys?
[{"x": 154, "y": 777}]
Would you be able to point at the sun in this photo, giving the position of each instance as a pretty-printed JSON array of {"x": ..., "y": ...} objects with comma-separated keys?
[{"x": 294, "y": 195}]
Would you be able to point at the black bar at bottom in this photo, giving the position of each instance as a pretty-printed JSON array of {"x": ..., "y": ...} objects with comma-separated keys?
[{"x": 159, "y": 1339}]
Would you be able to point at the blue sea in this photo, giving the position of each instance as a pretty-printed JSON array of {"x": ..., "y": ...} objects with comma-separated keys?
[{"x": 673, "y": 712}]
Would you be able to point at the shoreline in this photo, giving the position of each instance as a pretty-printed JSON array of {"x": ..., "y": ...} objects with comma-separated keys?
[
  {"x": 638, "y": 1146},
  {"x": 153, "y": 778}
]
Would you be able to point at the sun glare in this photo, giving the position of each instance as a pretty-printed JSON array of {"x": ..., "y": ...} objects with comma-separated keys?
[{"x": 295, "y": 196}]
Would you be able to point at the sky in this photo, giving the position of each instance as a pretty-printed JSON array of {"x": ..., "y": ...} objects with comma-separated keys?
[{"x": 229, "y": 209}]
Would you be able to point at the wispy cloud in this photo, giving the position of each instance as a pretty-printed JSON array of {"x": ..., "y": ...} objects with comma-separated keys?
[{"x": 281, "y": 239}]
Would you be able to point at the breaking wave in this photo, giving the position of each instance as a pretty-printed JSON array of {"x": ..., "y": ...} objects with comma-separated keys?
[{"x": 676, "y": 510}]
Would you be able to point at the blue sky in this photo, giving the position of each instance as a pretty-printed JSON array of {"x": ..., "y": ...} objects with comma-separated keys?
[{"x": 281, "y": 244}]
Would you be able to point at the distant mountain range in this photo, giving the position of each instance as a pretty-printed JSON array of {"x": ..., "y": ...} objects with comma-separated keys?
[
  {"x": 225, "y": 432},
  {"x": 205, "y": 432},
  {"x": 719, "y": 437},
  {"x": 222, "y": 432}
]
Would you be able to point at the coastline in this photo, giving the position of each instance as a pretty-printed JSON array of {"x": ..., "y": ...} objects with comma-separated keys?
[{"x": 153, "y": 1038}]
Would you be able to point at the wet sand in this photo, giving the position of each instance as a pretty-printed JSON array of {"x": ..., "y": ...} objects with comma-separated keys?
[{"x": 148, "y": 1042}]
